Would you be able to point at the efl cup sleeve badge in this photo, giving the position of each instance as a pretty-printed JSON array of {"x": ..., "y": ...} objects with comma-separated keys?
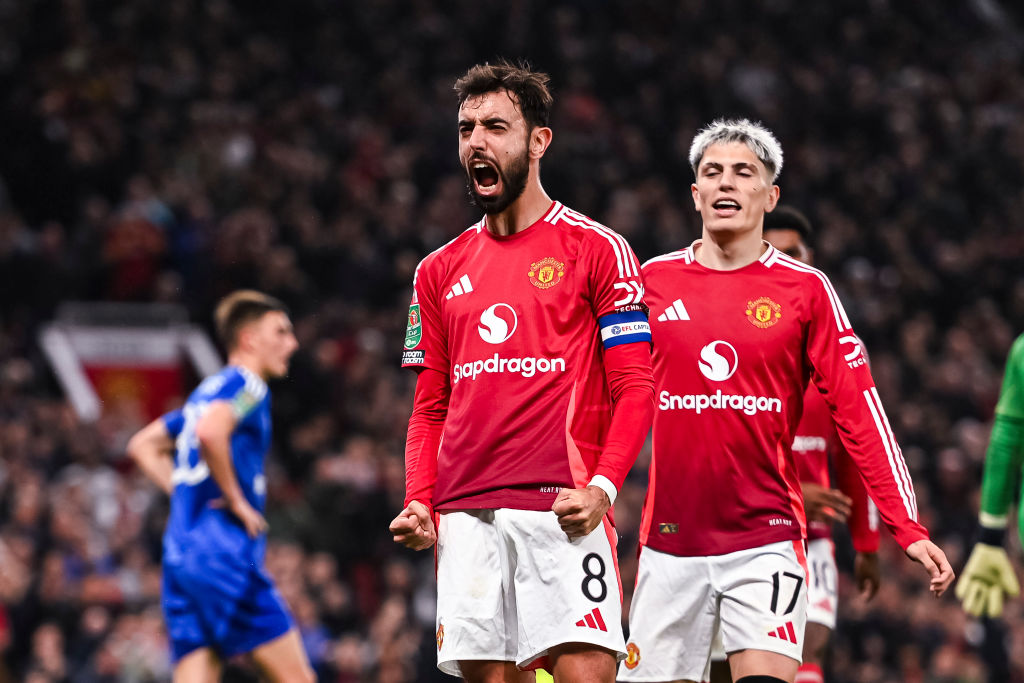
[
  {"x": 414, "y": 328},
  {"x": 546, "y": 273},
  {"x": 632, "y": 656},
  {"x": 763, "y": 312},
  {"x": 440, "y": 636}
]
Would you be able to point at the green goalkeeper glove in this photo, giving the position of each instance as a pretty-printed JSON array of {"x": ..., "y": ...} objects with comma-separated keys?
[{"x": 987, "y": 575}]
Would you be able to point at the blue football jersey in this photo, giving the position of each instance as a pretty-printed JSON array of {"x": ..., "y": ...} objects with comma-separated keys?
[{"x": 196, "y": 524}]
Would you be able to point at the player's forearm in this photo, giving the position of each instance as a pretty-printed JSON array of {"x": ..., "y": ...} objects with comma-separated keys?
[
  {"x": 150, "y": 449},
  {"x": 628, "y": 368},
  {"x": 888, "y": 482},
  {"x": 1002, "y": 466},
  {"x": 157, "y": 467},
  {"x": 430, "y": 408},
  {"x": 216, "y": 451}
]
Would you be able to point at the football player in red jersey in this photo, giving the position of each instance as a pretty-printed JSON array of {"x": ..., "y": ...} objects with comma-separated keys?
[
  {"x": 789, "y": 231},
  {"x": 738, "y": 329},
  {"x": 534, "y": 394}
]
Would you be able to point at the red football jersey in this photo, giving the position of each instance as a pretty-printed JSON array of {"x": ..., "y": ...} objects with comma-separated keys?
[
  {"x": 815, "y": 439},
  {"x": 519, "y": 325},
  {"x": 733, "y": 351}
]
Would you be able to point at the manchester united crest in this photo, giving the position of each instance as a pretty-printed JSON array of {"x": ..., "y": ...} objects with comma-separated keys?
[
  {"x": 763, "y": 312},
  {"x": 546, "y": 273},
  {"x": 632, "y": 656},
  {"x": 440, "y": 636}
]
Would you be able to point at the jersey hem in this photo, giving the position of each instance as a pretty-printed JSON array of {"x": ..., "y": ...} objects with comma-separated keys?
[
  {"x": 745, "y": 541},
  {"x": 515, "y": 499}
]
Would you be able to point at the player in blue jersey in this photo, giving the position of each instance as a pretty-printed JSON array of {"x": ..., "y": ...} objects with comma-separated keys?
[{"x": 218, "y": 599}]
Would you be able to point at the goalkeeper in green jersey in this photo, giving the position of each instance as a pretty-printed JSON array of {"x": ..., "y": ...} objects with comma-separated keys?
[{"x": 988, "y": 574}]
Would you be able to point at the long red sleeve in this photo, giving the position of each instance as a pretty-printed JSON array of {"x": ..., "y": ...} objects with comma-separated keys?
[
  {"x": 863, "y": 520},
  {"x": 430, "y": 407},
  {"x": 628, "y": 369},
  {"x": 841, "y": 373}
]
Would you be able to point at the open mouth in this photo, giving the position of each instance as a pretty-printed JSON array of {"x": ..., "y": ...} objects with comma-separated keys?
[
  {"x": 726, "y": 207},
  {"x": 485, "y": 177}
]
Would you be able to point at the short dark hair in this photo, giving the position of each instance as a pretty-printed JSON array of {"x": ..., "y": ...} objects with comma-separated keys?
[
  {"x": 529, "y": 88},
  {"x": 788, "y": 218},
  {"x": 240, "y": 308}
]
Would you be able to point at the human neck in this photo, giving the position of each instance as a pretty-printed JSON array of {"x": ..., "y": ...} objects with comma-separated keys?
[
  {"x": 522, "y": 213},
  {"x": 247, "y": 361},
  {"x": 729, "y": 250}
]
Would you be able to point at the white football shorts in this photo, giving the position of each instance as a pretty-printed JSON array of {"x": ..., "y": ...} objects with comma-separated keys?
[
  {"x": 511, "y": 585},
  {"x": 752, "y": 599},
  {"x": 822, "y": 593}
]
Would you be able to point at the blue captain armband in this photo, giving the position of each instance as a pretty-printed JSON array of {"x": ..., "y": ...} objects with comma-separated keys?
[{"x": 624, "y": 328}]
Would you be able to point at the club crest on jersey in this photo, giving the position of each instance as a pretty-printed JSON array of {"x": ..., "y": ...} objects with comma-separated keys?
[
  {"x": 763, "y": 312},
  {"x": 546, "y": 273},
  {"x": 414, "y": 328},
  {"x": 632, "y": 656},
  {"x": 440, "y": 636}
]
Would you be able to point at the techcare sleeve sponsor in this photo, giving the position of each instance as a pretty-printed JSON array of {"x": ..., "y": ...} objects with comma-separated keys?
[{"x": 526, "y": 367}]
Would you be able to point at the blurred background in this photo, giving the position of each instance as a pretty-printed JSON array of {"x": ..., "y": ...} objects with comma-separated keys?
[{"x": 168, "y": 152}]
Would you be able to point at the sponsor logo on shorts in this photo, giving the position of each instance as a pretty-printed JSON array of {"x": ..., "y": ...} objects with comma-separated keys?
[
  {"x": 824, "y": 605},
  {"x": 763, "y": 312},
  {"x": 440, "y": 636},
  {"x": 593, "y": 620},
  {"x": 526, "y": 367},
  {"x": 546, "y": 273},
  {"x": 785, "y": 632},
  {"x": 780, "y": 521},
  {"x": 632, "y": 656},
  {"x": 668, "y": 528},
  {"x": 751, "y": 405},
  {"x": 413, "y": 357}
]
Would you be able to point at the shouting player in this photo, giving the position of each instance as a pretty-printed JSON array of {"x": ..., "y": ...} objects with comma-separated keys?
[
  {"x": 533, "y": 398},
  {"x": 738, "y": 329},
  {"x": 988, "y": 575},
  {"x": 218, "y": 599}
]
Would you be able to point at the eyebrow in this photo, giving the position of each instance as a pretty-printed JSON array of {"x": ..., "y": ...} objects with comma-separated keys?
[
  {"x": 738, "y": 165},
  {"x": 489, "y": 122}
]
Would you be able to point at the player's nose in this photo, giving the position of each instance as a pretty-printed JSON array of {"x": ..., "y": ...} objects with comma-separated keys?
[{"x": 477, "y": 138}]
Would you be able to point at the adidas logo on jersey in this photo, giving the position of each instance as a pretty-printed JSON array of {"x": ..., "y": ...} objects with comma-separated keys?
[
  {"x": 675, "y": 312},
  {"x": 786, "y": 632},
  {"x": 463, "y": 286},
  {"x": 593, "y": 620}
]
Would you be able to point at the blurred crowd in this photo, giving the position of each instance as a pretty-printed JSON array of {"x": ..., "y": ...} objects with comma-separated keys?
[{"x": 175, "y": 150}]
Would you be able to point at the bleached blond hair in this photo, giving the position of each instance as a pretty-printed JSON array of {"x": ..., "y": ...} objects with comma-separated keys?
[{"x": 754, "y": 135}]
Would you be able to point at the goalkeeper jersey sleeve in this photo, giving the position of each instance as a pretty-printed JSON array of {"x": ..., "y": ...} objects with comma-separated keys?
[{"x": 1006, "y": 445}]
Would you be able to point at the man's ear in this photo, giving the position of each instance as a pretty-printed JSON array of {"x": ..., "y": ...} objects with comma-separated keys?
[{"x": 540, "y": 138}]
